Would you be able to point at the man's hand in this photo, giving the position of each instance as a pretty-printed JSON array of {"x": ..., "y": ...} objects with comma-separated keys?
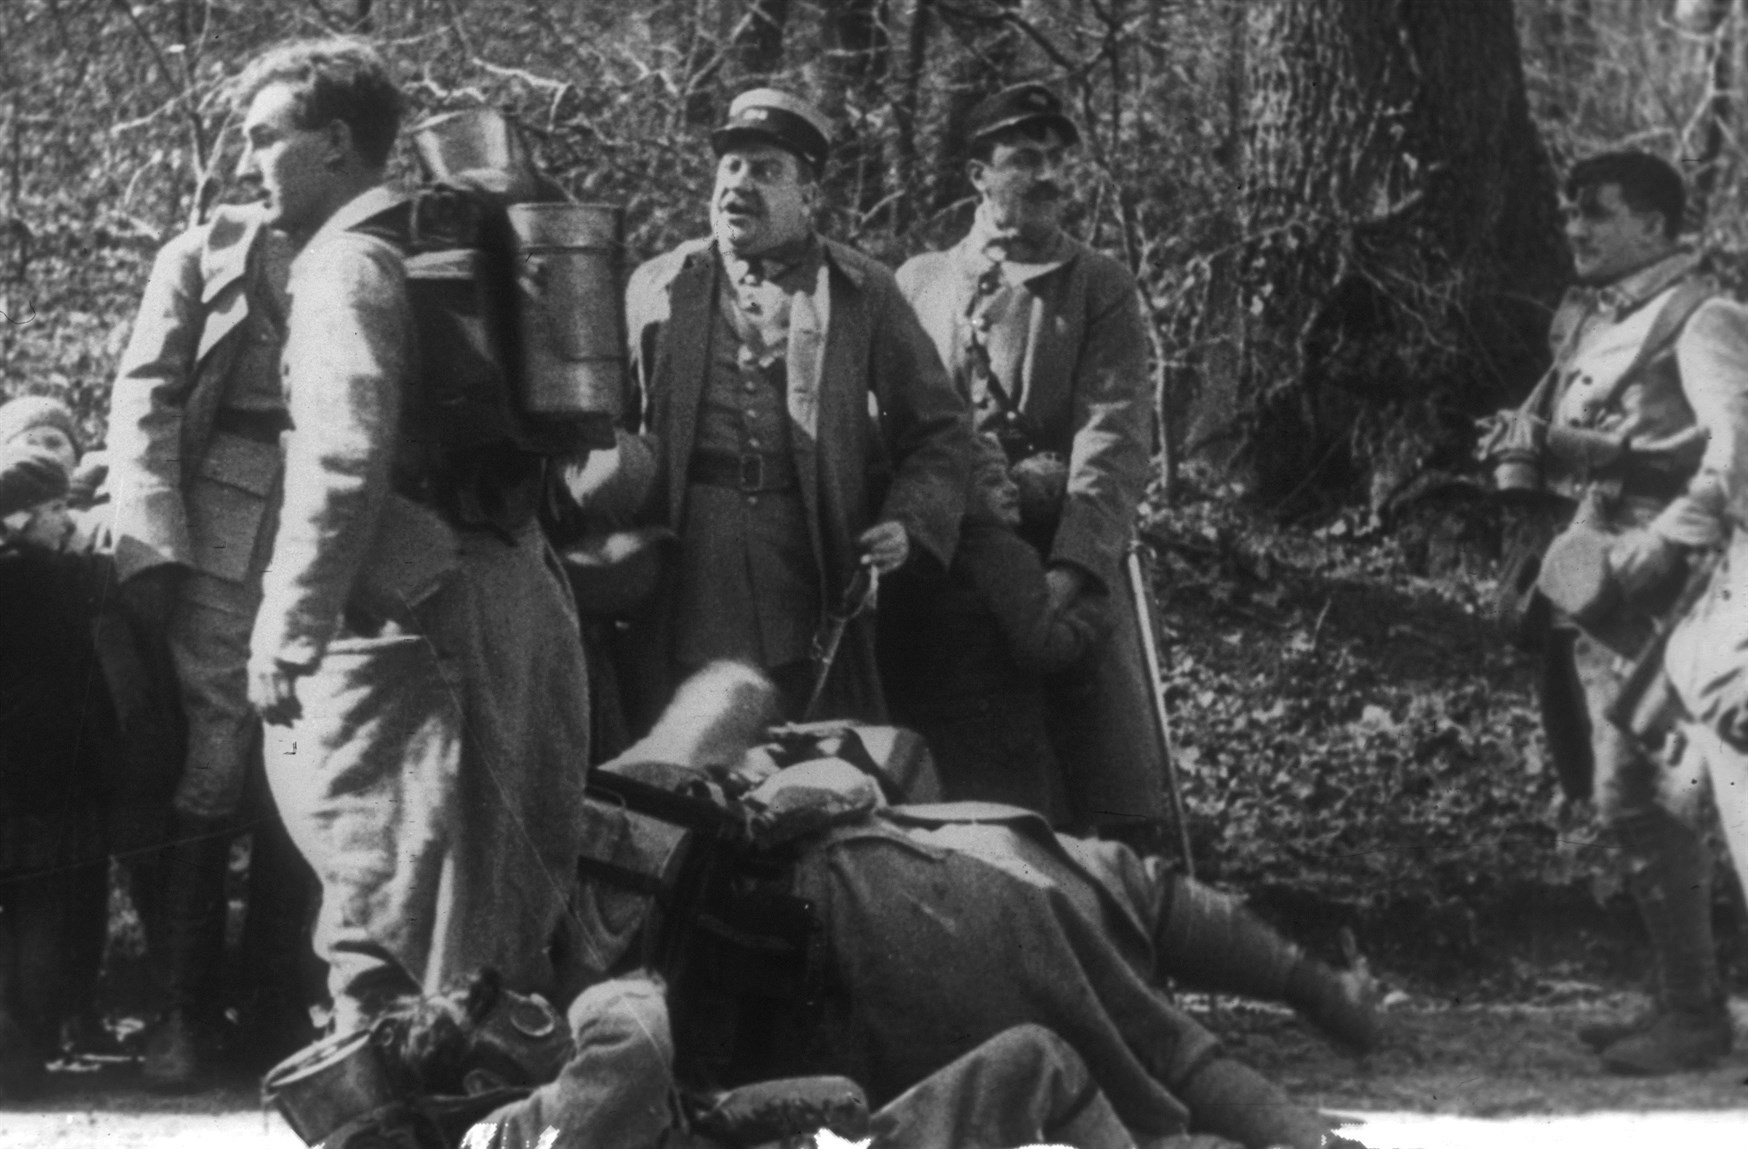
[
  {"x": 1643, "y": 560},
  {"x": 1066, "y": 584},
  {"x": 149, "y": 596},
  {"x": 273, "y": 691},
  {"x": 887, "y": 545},
  {"x": 29, "y": 475}
]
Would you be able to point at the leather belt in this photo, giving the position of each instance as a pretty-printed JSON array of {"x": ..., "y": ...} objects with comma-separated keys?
[
  {"x": 749, "y": 472},
  {"x": 260, "y": 426}
]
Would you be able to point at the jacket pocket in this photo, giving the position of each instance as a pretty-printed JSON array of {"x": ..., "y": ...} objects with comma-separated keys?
[{"x": 228, "y": 502}]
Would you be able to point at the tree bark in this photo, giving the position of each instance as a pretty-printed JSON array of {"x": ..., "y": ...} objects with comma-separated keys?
[
  {"x": 856, "y": 61},
  {"x": 1401, "y": 244}
]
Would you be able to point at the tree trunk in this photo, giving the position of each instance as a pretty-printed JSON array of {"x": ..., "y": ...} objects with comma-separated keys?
[
  {"x": 1401, "y": 239},
  {"x": 855, "y": 63}
]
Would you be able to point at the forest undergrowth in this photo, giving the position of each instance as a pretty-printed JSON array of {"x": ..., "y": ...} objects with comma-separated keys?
[{"x": 1358, "y": 747}]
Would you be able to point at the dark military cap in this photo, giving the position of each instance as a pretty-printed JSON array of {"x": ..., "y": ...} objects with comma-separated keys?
[
  {"x": 1020, "y": 104},
  {"x": 772, "y": 116}
]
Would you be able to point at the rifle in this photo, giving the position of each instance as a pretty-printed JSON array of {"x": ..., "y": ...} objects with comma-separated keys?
[
  {"x": 1141, "y": 591},
  {"x": 1646, "y": 707},
  {"x": 858, "y": 597}
]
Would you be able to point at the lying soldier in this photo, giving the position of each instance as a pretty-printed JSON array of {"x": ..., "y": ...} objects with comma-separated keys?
[
  {"x": 882, "y": 943},
  {"x": 616, "y": 1086},
  {"x": 483, "y": 1067}
]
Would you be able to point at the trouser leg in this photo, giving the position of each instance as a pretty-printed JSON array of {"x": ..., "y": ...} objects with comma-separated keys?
[
  {"x": 1024, "y": 1086},
  {"x": 365, "y": 782},
  {"x": 1727, "y": 766},
  {"x": 1234, "y": 1101},
  {"x": 1652, "y": 810}
]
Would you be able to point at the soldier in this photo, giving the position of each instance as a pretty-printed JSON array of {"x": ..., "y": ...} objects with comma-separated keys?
[
  {"x": 761, "y": 352},
  {"x": 1045, "y": 338},
  {"x": 194, "y": 424},
  {"x": 418, "y": 670},
  {"x": 1641, "y": 420}
]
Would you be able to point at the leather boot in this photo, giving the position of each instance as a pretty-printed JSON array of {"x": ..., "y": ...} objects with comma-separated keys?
[
  {"x": 1210, "y": 941},
  {"x": 192, "y": 939},
  {"x": 1669, "y": 872}
]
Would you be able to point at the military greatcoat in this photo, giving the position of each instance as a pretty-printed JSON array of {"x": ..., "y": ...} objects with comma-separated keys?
[
  {"x": 875, "y": 430},
  {"x": 1064, "y": 337}
]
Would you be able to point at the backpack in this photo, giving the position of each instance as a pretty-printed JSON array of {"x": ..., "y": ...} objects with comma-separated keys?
[{"x": 472, "y": 416}]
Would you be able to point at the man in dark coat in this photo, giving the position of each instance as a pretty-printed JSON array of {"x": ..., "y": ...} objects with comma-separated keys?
[
  {"x": 802, "y": 420},
  {"x": 1045, "y": 338}
]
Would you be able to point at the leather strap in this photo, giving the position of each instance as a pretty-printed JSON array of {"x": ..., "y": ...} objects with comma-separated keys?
[{"x": 750, "y": 472}]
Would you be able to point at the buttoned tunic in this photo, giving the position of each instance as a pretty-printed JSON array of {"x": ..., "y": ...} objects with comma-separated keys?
[
  {"x": 194, "y": 422},
  {"x": 747, "y": 583},
  {"x": 875, "y": 432}
]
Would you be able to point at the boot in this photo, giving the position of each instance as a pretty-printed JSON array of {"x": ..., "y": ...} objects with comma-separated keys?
[
  {"x": 1342, "y": 1003},
  {"x": 192, "y": 935},
  {"x": 1669, "y": 872},
  {"x": 1210, "y": 941}
]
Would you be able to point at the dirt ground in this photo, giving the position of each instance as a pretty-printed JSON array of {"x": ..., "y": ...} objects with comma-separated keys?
[{"x": 1496, "y": 1075}]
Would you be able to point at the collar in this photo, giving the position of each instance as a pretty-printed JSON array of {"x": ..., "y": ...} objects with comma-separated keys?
[
  {"x": 774, "y": 266},
  {"x": 1632, "y": 291},
  {"x": 355, "y": 211}
]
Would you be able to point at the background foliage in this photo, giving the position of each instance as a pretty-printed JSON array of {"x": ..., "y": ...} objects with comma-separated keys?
[{"x": 1361, "y": 768}]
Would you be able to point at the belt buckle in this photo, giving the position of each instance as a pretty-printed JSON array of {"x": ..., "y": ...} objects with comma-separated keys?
[{"x": 752, "y": 472}]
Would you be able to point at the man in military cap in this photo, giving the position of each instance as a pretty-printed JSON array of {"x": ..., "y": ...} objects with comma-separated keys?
[
  {"x": 1044, "y": 337},
  {"x": 763, "y": 353}
]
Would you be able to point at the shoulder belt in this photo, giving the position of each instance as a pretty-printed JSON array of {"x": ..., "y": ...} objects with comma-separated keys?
[{"x": 1689, "y": 295}]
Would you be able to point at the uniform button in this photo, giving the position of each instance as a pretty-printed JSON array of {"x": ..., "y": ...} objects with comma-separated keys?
[
  {"x": 749, "y": 386},
  {"x": 752, "y": 500},
  {"x": 750, "y": 413},
  {"x": 753, "y": 443}
]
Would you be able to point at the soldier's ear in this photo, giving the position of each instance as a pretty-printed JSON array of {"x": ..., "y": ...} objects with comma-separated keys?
[
  {"x": 977, "y": 172},
  {"x": 338, "y": 144}
]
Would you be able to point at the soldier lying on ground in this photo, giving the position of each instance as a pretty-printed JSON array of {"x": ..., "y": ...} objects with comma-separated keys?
[
  {"x": 606, "y": 1081},
  {"x": 927, "y": 930}
]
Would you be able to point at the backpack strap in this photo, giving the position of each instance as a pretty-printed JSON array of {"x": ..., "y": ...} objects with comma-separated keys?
[{"x": 1666, "y": 328}]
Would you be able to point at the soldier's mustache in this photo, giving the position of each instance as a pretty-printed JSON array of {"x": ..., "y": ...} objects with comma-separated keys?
[{"x": 742, "y": 205}]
